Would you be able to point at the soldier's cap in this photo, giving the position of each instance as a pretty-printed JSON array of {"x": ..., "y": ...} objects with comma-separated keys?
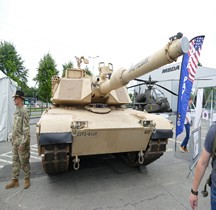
[{"x": 20, "y": 94}]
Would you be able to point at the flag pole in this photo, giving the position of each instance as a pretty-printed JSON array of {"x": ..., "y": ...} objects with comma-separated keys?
[
  {"x": 178, "y": 102},
  {"x": 187, "y": 75}
]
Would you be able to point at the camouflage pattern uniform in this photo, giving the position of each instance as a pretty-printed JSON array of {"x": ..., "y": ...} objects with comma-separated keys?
[{"x": 21, "y": 137}]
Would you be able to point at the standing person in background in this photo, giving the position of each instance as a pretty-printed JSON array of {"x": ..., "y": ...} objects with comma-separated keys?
[
  {"x": 208, "y": 152},
  {"x": 187, "y": 124},
  {"x": 20, "y": 143}
]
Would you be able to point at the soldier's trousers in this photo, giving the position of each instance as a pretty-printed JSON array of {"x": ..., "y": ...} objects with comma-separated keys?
[{"x": 21, "y": 160}]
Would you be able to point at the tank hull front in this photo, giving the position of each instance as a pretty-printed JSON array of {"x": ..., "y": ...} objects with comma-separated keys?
[
  {"x": 65, "y": 133},
  {"x": 113, "y": 132}
]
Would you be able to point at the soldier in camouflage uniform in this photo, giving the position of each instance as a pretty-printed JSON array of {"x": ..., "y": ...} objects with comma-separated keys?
[{"x": 20, "y": 143}]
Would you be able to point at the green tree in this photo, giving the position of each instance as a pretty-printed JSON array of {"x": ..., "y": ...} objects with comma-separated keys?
[
  {"x": 31, "y": 92},
  {"x": 46, "y": 69},
  {"x": 88, "y": 71},
  {"x": 11, "y": 64},
  {"x": 66, "y": 66}
]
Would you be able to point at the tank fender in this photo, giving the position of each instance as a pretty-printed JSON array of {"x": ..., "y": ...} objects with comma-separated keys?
[
  {"x": 162, "y": 134},
  {"x": 55, "y": 138}
]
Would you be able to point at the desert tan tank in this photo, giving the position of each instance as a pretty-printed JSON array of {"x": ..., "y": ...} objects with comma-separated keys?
[{"x": 89, "y": 115}]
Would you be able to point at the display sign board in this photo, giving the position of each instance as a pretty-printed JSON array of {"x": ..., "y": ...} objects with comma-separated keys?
[{"x": 195, "y": 148}]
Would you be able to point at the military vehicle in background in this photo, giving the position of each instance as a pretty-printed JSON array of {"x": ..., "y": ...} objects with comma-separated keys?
[
  {"x": 89, "y": 115},
  {"x": 152, "y": 99}
]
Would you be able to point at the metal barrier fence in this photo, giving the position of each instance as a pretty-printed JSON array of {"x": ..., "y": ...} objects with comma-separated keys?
[{"x": 36, "y": 112}]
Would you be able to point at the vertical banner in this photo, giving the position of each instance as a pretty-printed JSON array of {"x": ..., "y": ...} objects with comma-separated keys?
[{"x": 188, "y": 71}]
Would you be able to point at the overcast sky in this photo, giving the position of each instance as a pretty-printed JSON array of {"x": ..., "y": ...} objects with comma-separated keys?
[{"x": 120, "y": 32}]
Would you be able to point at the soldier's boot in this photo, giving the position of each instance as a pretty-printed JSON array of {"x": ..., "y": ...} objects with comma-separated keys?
[
  {"x": 14, "y": 183},
  {"x": 26, "y": 183}
]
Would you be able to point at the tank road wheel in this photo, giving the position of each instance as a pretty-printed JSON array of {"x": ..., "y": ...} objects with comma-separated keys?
[{"x": 56, "y": 158}]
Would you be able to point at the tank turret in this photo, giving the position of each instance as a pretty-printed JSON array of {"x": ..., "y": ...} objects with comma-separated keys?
[
  {"x": 109, "y": 86},
  {"x": 88, "y": 117}
]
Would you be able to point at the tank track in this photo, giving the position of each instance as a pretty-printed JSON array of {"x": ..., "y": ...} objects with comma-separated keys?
[
  {"x": 155, "y": 150},
  {"x": 56, "y": 158}
]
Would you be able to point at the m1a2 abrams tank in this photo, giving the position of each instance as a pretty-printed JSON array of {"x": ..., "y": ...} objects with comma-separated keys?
[{"x": 88, "y": 116}]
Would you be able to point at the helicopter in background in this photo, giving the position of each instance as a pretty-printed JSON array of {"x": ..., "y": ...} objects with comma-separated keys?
[{"x": 152, "y": 100}]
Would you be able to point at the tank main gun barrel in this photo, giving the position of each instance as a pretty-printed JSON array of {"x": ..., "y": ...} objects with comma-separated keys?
[{"x": 174, "y": 49}]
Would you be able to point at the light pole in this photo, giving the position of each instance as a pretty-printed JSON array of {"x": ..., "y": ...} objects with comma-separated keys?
[{"x": 93, "y": 61}]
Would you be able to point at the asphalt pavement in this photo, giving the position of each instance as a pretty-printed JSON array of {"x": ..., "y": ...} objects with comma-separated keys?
[{"x": 104, "y": 182}]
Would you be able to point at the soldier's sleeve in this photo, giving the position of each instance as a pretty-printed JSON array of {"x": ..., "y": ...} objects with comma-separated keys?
[{"x": 26, "y": 127}]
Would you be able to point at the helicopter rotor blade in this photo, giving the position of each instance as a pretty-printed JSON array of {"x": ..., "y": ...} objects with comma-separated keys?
[
  {"x": 140, "y": 80},
  {"x": 167, "y": 89},
  {"x": 154, "y": 81},
  {"x": 136, "y": 85},
  {"x": 148, "y": 82}
]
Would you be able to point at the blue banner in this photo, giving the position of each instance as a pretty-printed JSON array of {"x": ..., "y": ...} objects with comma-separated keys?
[{"x": 187, "y": 75}]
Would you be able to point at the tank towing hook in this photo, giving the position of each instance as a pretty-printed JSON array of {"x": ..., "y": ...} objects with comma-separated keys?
[
  {"x": 76, "y": 163},
  {"x": 141, "y": 157}
]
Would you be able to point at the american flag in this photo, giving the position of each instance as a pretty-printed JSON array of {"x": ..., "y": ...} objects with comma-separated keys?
[
  {"x": 188, "y": 71},
  {"x": 194, "y": 54}
]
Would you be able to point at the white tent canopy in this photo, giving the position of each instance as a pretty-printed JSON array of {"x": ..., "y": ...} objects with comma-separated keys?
[{"x": 7, "y": 107}]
